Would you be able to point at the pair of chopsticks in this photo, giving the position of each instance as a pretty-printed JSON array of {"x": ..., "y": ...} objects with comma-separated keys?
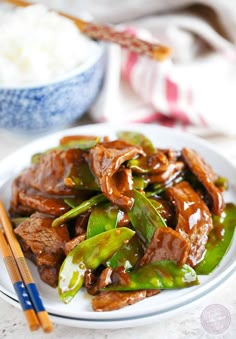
[
  {"x": 155, "y": 51},
  {"x": 21, "y": 278}
]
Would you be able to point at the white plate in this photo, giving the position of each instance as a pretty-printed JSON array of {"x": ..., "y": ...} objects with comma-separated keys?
[{"x": 79, "y": 312}]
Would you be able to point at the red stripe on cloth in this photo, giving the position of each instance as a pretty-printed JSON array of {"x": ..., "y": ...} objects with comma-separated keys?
[
  {"x": 182, "y": 116},
  {"x": 190, "y": 97},
  {"x": 171, "y": 91},
  {"x": 172, "y": 97},
  {"x": 160, "y": 118},
  {"x": 129, "y": 66}
]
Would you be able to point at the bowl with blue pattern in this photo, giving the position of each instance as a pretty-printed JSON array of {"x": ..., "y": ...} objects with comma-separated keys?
[{"x": 57, "y": 103}]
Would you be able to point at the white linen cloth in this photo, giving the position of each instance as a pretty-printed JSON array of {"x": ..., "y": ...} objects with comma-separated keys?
[{"x": 195, "y": 89}]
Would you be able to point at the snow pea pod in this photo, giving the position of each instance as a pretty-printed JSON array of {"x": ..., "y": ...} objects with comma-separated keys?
[
  {"x": 82, "y": 178},
  {"x": 128, "y": 255},
  {"x": 137, "y": 139},
  {"x": 140, "y": 183},
  {"x": 74, "y": 202},
  {"x": 81, "y": 142},
  {"x": 165, "y": 274},
  {"x": 89, "y": 254},
  {"x": 144, "y": 217},
  {"x": 219, "y": 240},
  {"x": 102, "y": 218},
  {"x": 74, "y": 212}
]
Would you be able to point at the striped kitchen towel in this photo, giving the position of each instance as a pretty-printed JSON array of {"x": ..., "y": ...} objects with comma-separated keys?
[{"x": 194, "y": 90}]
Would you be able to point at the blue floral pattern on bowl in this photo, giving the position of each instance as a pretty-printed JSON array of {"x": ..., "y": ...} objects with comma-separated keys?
[{"x": 53, "y": 105}]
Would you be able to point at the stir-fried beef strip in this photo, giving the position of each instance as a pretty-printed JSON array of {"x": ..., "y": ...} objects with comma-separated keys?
[
  {"x": 150, "y": 163},
  {"x": 171, "y": 154},
  {"x": 49, "y": 274},
  {"x": 74, "y": 242},
  {"x": 45, "y": 242},
  {"x": 40, "y": 203},
  {"x": 81, "y": 223},
  {"x": 105, "y": 160},
  {"x": 167, "y": 244},
  {"x": 48, "y": 175},
  {"x": 113, "y": 300},
  {"x": 16, "y": 208},
  {"x": 94, "y": 284},
  {"x": 40, "y": 236},
  {"x": 194, "y": 219},
  {"x": 206, "y": 176},
  {"x": 172, "y": 171}
]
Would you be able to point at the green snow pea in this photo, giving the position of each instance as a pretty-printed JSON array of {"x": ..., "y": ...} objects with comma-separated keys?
[
  {"x": 137, "y": 139},
  {"x": 222, "y": 182},
  {"x": 18, "y": 220},
  {"x": 82, "y": 143},
  {"x": 140, "y": 183},
  {"x": 219, "y": 240},
  {"x": 83, "y": 207},
  {"x": 74, "y": 202},
  {"x": 165, "y": 274},
  {"x": 144, "y": 217},
  {"x": 82, "y": 178},
  {"x": 89, "y": 254},
  {"x": 35, "y": 159},
  {"x": 103, "y": 217},
  {"x": 128, "y": 255}
]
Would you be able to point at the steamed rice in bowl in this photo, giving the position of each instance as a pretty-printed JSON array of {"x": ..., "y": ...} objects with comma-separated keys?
[
  {"x": 38, "y": 45},
  {"x": 50, "y": 73}
]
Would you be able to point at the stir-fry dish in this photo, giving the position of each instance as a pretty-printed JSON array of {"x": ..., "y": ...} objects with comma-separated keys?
[{"x": 121, "y": 218}]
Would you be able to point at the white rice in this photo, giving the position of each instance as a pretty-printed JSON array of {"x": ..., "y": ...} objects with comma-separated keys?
[{"x": 38, "y": 45}]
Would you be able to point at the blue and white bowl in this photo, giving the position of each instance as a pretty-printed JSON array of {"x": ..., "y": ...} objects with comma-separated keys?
[{"x": 57, "y": 103}]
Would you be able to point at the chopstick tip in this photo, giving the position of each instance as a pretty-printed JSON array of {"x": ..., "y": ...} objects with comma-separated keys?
[
  {"x": 32, "y": 320},
  {"x": 45, "y": 322},
  {"x": 160, "y": 53}
]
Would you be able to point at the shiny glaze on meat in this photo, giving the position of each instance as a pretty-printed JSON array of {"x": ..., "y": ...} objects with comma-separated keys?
[
  {"x": 206, "y": 176},
  {"x": 194, "y": 219}
]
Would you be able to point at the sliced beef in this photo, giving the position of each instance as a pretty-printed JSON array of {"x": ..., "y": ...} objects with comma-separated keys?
[
  {"x": 38, "y": 234},
  {"x": 206, "y": 176},
  {"x": 113, "y": 300},
  {"x": 150, "y": 163},
  {"x": 44, "y": 242},
  {"x": 167, "y": 244},
  {"x": 194, "y": 219},
  {"x": 172, "y": 172},
  {"x": 74, "y": 242},
  {"x": 94, "y": 284},
  {"x": 16, "y": 208},
  {"x": 81, "y": 223},
  {"x": 48, "y": 175},
  {"x": 106, "y": 160},
  {"x": 49, "y": 274},
  {"x": 40, "y": 203},
  {"x": 119, "y": 276}
]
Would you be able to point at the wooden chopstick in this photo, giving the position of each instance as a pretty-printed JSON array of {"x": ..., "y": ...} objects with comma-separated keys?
[
  {"x": 31, "y": 288},
  {"x": 155, "y": 51},
  {"x": 18, "y": 284}
]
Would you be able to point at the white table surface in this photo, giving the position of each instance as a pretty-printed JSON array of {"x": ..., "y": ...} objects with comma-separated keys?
[{"x": 186, "y": 324}]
